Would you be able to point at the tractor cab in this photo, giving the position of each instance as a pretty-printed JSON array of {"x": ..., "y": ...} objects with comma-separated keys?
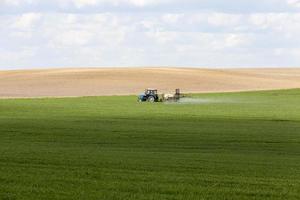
[
  {"x": 151, "y": 92},
  {"x": 149, "y": 95}
]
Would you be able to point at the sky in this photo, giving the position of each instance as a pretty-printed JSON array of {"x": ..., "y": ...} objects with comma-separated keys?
[{"x": 121, "y": 33}]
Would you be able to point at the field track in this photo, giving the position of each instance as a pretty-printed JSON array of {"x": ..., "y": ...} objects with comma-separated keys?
[{"x": 124, "y": 81}]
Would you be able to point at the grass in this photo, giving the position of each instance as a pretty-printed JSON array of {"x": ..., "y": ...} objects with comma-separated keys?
[{"x": 234, "y": 146}]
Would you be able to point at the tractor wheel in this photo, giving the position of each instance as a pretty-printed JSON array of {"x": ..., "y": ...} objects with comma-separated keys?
[{"x": 151, "y": 99}]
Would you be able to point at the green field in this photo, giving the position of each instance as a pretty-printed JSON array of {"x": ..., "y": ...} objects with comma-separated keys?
[{"x": 221, "y": 146}]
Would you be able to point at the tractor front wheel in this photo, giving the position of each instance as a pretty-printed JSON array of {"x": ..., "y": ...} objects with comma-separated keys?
[{"x": 151, "y": 99}]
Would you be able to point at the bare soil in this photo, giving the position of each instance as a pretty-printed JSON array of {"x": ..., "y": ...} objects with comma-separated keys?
[{"x": 125, "y": 81}]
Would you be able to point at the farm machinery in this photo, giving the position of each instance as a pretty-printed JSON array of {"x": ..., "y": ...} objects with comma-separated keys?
[{"x": 151, "y": 95}]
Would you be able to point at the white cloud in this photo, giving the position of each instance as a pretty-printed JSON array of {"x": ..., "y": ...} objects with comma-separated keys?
[
  {"x": 71, "y": 30},
  {"x": 235, "y": 40},
  {"x": 162, "y": 37},
  {"x": 142, "y": 3},
  {"x": 172, "y": 18},
  {"x": 295, "y": 3},
  {"x": 23, "y": 56},
  {"x": 86, "y": 3},
  {"x": 122, "y": 37},
  {"x": 81, "y": 3},
  {"x": 18, "y": 2},
  {"x": 223, "y": 19},
  {"x": 71, "y": 38},
  {"x": 26, "y": 20},
  {"x": 277, "y": 22}
]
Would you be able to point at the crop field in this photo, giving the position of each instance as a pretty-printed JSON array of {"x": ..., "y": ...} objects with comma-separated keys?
[{"x": 210, "y": 146}]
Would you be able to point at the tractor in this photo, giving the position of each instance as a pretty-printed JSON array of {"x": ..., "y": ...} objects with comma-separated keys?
[{"x": 149, "y": 95}]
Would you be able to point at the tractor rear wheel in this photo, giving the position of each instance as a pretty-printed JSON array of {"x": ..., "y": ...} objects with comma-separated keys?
[{"x": 151, "y": 99}]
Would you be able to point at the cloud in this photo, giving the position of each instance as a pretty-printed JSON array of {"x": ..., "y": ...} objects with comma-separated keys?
[
  {"x": 142, "y": 3},
  {"x": 71, "y": 38},
  {"x": 172, "y": 18},
  {"x": 139, "y": 3},
  {"x": 223, "y": 19},
  {"x": 26, "y": 20},
  {"x": 18, "y": 2},
  {"x": 147, "y": 32},
  {"x": 82, "y": 3},
  {"x": 99, "y": 6},
  {"x": 295, "y": 3}
]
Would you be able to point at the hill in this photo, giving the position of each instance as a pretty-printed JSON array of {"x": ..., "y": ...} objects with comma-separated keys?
[{"x": 125, "y": 81}]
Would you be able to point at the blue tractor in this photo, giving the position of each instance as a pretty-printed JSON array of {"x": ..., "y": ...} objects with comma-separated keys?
[{"x": 150, "y": 95}]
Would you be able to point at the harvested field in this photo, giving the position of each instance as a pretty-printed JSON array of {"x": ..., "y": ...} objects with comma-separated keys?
[{"x": 124, "y": 81}]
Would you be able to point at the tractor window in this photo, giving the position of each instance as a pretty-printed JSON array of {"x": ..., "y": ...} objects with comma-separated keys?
[{"x": 151, "y": 92}]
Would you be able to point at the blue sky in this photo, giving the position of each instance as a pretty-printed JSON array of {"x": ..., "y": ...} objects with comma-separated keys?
[{"x": 190, "y": 33}]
